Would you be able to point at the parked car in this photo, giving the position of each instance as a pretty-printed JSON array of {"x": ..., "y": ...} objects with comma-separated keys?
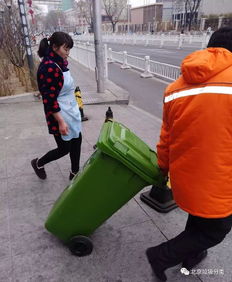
[{"x": 77, "y": 33}]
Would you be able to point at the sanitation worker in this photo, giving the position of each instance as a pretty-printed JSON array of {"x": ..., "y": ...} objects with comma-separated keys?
[
  {"x": 195, "y": 147},
  {"x": 62, "y": 114}
]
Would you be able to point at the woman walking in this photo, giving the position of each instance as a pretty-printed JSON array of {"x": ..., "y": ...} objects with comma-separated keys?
[{"x": 62, "y": 114}]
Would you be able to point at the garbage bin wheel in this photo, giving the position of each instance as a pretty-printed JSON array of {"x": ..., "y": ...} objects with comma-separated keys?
[{"x": 80, "y": 246}]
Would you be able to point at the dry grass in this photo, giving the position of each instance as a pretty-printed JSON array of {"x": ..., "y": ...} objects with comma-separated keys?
[{"x": 14, "y": 80}]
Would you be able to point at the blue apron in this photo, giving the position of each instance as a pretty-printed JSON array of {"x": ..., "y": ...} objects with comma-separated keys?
[{"x": 69, "y": 108}]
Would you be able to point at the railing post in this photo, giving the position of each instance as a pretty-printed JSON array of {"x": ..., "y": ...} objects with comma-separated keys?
[
  {"x": 124, "y": 39},
  {"x": 147, "y": 72},
  {"x": 110, "y": 56},
  {"x": 125, "y": 64},
  {"x": 162, "y": 41},
  {"x": 181, "y": 39}
]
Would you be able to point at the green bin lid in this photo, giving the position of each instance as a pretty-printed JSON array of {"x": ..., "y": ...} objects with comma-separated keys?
[{"x": 122, "y": 144}]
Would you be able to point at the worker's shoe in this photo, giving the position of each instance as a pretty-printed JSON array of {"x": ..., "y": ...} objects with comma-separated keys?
[
  {"x": 40, "y": 171},
  {"x": 189, "y": 263},
  {"x": 84, "y": 118},
  {"x": 155, "y": 264}
]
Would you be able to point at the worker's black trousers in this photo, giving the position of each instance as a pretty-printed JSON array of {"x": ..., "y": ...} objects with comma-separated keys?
[
  {"x": 199, "y": 235},
  {"x": 73, "y": 147}
]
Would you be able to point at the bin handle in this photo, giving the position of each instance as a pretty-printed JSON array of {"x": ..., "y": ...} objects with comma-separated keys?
[
  {"x": 162, "y": 179},
  {"x": 121, "y": 147},
  {"x": 154, "y": 162}
]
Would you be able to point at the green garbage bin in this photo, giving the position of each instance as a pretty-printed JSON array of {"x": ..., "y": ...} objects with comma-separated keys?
[{"x": 119, "y": 168}]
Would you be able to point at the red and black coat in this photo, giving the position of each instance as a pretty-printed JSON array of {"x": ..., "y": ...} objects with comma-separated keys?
[{"x": 50, "y": 81}]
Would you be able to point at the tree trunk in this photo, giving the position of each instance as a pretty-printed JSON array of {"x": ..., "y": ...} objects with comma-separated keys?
[
  {"x": 190, "y": 22},
  {"x": 113, "y": 26}
]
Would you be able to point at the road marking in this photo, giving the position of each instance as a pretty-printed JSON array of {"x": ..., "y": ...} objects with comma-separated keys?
[
  {"x": 163, "y": 51},
  {"x": 139, "y": 54}
]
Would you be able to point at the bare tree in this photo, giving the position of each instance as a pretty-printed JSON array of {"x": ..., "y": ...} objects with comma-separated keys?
[
  {"x": 12, "y": 47},
  {"x": 85, "y": 10},
  {"x": 54, "y": 20},
  {"x": 12, "y": 39},
  {"x": 191, "y": 10},
  {"x": 38, "y": 19},
  {"x": 114, "y": 10}
]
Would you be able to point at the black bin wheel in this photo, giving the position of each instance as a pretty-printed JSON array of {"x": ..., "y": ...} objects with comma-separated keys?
[{"x": 80, "y": 246}]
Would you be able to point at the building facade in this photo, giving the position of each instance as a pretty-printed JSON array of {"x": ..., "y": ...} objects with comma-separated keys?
[
  {"x": 67, "y": 4},
  {"x": 167, "y": 9},
  {"x": 75, "y": 22},
  {"x": 215, "y": 7},
  {"x": 52, "y": 5},
  {"x": 219, "y": 10},
  {"x": 147, "y": 17},
  {"x": 206, "y": 8}
]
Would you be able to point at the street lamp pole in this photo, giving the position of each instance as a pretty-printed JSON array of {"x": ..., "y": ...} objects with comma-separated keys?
[
  {"x": 23, "y": 18},
  {"x": 99, "y": 69}
]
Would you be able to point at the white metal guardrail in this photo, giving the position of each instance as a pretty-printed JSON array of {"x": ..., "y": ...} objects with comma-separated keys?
[
  {"x": 136, "y": 62},
  {"x": 146, "y": 65},
  {"x": 166, "y": 71},
  {"x": 85, "y": 55},
  {"x": 178, "y": 41},
  {"x": 115, "y": 56}
]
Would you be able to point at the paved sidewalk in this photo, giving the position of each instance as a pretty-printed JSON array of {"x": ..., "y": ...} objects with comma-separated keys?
[
  {"x": 29, "y": 253},
  {"x": 85, "y": 79}
]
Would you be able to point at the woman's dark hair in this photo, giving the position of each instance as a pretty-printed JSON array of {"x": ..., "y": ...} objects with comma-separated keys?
[
  {"x": 221, "y": 38},
  {"x": 57, "y": 39}
]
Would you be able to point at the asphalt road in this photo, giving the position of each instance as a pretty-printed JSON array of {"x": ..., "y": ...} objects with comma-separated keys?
[
  {"x": 169, "y": 55},
  {"x": 145, "y": 93}
]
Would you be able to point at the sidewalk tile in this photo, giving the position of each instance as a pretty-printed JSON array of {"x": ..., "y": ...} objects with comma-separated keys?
[{"x": 6, "y": 270}]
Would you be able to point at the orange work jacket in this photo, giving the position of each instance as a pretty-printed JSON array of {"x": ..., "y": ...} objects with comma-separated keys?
[{"x": 196, "y": 135}]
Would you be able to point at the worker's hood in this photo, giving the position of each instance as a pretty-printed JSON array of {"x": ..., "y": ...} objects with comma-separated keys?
[{"x": 201, "y": 65}]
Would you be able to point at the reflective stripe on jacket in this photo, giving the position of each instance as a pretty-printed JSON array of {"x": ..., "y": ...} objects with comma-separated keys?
[{"x": 196, "y": 135}]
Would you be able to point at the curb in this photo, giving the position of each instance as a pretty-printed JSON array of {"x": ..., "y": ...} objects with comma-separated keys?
[
  {"x": 30, "y": 97},
  {"x": 16, "y": 96}
]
